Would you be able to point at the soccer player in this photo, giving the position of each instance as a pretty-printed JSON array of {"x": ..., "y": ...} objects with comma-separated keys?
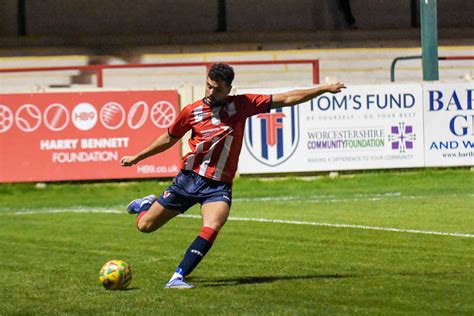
[{"x": 217, "y": 123}]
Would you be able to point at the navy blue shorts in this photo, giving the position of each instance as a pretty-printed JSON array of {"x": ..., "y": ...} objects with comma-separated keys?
[{"x": 189, "y": 188}]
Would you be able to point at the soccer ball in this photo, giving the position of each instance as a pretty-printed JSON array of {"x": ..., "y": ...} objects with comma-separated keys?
[{"x": 115, "y": 275}]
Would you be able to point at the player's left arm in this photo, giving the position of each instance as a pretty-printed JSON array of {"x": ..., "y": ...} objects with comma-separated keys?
[{"x": 294, "y": 97}]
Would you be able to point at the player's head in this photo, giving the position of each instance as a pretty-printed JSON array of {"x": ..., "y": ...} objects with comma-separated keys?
[
  {"x": 219, "y": 82},
  {"x": 221, "y": 72}
]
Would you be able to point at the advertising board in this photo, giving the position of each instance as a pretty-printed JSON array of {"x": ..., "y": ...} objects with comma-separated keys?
[
  {"x": 449, "y": 124},
  {"x": 364, "y": 127},
  {"x": 83, "y": 135}
]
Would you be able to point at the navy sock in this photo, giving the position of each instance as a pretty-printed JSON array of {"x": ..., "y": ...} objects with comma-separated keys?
[{"x": 194, "y": 255}]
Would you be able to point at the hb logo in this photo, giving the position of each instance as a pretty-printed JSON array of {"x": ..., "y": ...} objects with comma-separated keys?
[{"x": 272, "y": 138}]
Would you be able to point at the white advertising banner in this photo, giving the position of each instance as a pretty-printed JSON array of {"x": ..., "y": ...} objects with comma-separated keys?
[
  {"x": 364, "y": 127},
  {"x": 449, "y": 124}
]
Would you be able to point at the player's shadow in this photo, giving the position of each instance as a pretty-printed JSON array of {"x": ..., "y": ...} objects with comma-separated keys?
[{"x": 264, "y": 279}]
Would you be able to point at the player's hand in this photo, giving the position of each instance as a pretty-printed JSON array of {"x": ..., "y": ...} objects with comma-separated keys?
[
  {"x": 128, "y": 161},
  {"x": 335, "y": 88}
]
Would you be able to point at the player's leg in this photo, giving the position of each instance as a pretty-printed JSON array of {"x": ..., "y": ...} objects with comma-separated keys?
[
  {"x": 155, "y": 217},
  {"x": 153, "y": 212},
  {"x": 151, "y": 215},
  {"x": 214, "y": 216}
]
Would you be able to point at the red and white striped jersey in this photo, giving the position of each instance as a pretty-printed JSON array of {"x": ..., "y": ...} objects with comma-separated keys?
[{"x": 217, "y": 133}]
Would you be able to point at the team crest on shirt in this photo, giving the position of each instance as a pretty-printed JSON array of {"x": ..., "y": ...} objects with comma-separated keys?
[
  {"x": 230, "y": 109},
  {"x": 272, "y": 138}
]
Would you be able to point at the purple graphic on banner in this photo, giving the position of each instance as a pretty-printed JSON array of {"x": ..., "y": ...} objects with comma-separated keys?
[{"x": 402, "y": 137}]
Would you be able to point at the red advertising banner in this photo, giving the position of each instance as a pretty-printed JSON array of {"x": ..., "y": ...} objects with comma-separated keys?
[{"x": 83, "y": 135}]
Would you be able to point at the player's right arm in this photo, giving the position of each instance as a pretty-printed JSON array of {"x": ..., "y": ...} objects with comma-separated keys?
[{"x": 160, "y": 144}]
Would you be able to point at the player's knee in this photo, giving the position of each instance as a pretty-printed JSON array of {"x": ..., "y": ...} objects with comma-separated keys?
[
  {"x": 145, "y": 227},
  {"x": 148, "y": 226}
]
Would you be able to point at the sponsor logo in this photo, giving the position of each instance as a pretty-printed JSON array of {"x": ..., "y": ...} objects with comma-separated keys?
[
  {"x": 360, "y": 102},
  {"x": 112, "y": 115},
  {"x": 6, "y": 118},
  {"x": 163, "y": 114},
  {"x": 226, "y": 197},
  {"x": 56, "y": 117},
  {"x": 28, "y": 118},
  {"x": 452, "y": 102},
  {"x": 197, "y": 252},
  {"x": 166, "y": 194},
  {"x": 199, "y": 114},
  {"x": 345, "y": 139},
  {"x": 272, "y": 138},
  {"x": 402, "y": 137},
  {"x": 137, "y": 115},
  {"x": 84, "y": 116}
]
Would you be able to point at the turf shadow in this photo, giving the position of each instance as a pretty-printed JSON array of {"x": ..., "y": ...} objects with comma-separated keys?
[
  {"x": 134, "y": 288},
  {"x": 263, "y": 279}
]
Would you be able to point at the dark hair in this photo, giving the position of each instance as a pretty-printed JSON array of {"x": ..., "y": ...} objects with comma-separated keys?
[{"x": 222, "y": 72}]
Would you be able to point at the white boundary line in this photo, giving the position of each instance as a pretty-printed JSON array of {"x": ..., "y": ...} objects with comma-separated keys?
[
  {"x": 389, "y": 229},
  {"x": 260, "y": 220},
  {"x": 334, "y": 199},
  {"x": 58, "y": 211}
]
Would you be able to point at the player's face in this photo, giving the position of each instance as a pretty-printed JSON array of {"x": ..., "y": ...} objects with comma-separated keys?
[{"x": 216, "y": 91}]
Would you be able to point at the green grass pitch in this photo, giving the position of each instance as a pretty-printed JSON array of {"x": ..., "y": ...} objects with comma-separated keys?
[{"x": 53, "y": 242}]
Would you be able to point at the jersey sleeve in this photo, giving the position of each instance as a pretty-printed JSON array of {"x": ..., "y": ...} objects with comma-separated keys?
[
  {"x": 256, "y": 104},
  {"x": 182, "y": 124}
]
